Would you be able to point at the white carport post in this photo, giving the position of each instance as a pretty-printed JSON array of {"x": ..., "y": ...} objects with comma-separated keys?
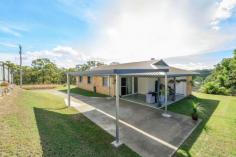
[
  {"x": 12, "y": 78},
  {"x": 117, "y": 142},
  {"x": 165, "y": 114},
  {"x": 68, "y": 89},
  {"x": 109, "y": 84},
  {"x": 132, "y": 84}
]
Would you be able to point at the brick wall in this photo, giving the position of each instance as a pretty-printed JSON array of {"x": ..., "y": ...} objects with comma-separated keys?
[
  {"x": 84, "y": 84},
  {"x": 189, "y": 85},
  {"x": 98, "y": 83}
]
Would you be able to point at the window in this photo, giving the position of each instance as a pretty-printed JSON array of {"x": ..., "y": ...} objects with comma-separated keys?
[
  {"x": 105, "y": 81},
  {"x": 89, "y": 80},
  {"x": 80, "y": 78}
]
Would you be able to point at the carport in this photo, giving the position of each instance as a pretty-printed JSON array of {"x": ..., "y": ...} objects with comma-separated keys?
[
  {"x": 151, "y": 84},
  {"x": 160, "y": 71}
]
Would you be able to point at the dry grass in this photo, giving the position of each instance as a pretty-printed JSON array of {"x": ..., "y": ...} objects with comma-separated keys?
[{"x": 40, "y": 86}]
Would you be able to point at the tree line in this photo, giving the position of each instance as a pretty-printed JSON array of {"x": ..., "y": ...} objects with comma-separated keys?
[
  {"x": 221, "y": 80},
  {"x": 44, "y": 71}
]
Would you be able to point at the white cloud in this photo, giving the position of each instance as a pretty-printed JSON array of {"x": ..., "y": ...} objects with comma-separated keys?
[
  {"x": 63, "y": 56},
  {"x": 193, "y": 66},
  {"x": 9, "y": 30},
  {"x": 223, "y": 11},
  {"x": 140, "y": 30},
  {"x": 12, "y": 29},
  {"x": 7, "y": 44}
]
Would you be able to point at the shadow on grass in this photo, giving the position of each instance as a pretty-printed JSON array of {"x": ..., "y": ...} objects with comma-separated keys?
[
  {"x": 68, "y": 135},
  {"x": 83, "y": 92},
  {"x": 205, "y": 110}
]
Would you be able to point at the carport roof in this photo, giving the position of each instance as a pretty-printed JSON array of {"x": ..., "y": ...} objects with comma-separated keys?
[{"x": 144, "y": 68}]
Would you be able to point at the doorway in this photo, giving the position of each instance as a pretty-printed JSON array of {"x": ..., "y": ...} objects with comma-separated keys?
[
  {"x": 135, "y": 85},
  {"x": 126, "y": 85}
]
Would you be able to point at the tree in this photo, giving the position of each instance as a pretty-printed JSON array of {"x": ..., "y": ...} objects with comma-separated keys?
[
  {"x": 90, "y": 64},
  {"x": 222, "y": 78},
  {"x": 46, "y": 71}
]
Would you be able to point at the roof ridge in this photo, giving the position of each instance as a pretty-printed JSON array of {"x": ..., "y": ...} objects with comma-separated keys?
[
  {"x": 179, "y": 68},
  {"x": 127, "y": 63},
  {"x": 140, "y": 61}
]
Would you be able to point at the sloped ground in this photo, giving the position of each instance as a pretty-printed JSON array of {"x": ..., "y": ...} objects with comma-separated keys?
[
  {"x": 216, "y": 134},
  {"x": 39, "y": 124},
  {"x": 142, "y": 128}
]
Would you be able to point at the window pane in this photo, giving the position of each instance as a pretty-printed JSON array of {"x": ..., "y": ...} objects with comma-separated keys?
[
  {"x": 89, "y": 80},
  {"x": 105, "y": 81}
]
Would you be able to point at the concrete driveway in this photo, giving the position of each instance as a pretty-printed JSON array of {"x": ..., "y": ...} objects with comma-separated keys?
[{"x": 142, "y": 128}]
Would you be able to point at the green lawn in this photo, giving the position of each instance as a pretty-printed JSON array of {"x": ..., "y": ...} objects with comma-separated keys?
[
  {"x": 39, "y": 124},
  {"x": 216, "y": 135},
  {"x": 80, "y": 91}
]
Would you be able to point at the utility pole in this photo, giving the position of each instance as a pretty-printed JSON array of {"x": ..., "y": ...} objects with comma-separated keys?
[{"x": 20, "y": 52}]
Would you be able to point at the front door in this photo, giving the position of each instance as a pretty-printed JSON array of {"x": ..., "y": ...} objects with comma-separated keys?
[
  {"x": 123, "y": 86},
  {"x": 135, "y": 85}
]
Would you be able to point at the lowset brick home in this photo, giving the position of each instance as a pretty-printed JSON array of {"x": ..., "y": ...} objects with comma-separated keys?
[{"x": 142, "y": 82}]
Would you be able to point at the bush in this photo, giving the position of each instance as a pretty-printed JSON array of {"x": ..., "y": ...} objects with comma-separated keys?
[
  {"x": 232, "y": 90},
  {"x": 4, "y": 84},
  {"x": 195, "y": 113},
  {"x": 214, "y": 88}
]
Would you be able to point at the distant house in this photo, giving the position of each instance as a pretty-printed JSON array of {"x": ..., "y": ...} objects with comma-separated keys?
[{"x": 142, "y": 82}]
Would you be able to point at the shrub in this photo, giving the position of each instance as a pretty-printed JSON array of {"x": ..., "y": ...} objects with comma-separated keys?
[
  {"x": 214, "y": 88},
  {"x": 4, "y": 84},
  {"x": 195, "y": 113},
  {"x": 232, "y": 90}
]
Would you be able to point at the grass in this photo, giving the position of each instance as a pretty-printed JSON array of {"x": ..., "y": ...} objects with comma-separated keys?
[
  {"x": 80, "y": 91},
  {"x": 216, "y": 135},
  {"x": 39, "y": 124}
]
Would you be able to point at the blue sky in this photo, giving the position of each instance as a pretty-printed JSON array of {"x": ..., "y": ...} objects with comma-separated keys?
[
  {"x": 41, "y": 24},
  {"x": 70, "y": 32}
]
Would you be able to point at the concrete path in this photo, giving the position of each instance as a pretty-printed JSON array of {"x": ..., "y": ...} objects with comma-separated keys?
[{"x": 142, "y": 128}]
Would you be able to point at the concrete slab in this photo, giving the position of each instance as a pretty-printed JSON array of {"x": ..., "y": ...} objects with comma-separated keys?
[{"x": 142, "y": 128}]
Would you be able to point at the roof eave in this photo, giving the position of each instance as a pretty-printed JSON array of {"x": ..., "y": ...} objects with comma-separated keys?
[{"x": 115, "y": 71}]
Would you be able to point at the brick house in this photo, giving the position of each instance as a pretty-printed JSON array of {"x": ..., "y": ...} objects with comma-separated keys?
[{"x": 138, "y": 81}]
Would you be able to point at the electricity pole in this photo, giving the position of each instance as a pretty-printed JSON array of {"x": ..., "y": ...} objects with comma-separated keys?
[{"x": 20, "y": 52}]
